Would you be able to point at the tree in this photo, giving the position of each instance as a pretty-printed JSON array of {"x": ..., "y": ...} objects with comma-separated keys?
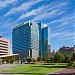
[
  {"x": 39, "y": 58},
  {"x": 33, "y": 60},
  {"x": 24, "y": 59},
  {"x": 29, "y": 59},
  {"x": 58, "y": 57},
  {"x": 46, "y": 57},
  {"x": 67, "y": 58},
  {"x": 52, "y": 59},
  {"x": 73, "y": 57}
]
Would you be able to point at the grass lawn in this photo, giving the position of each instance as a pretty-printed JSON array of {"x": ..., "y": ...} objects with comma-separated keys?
[{"x": 36, "y": 69}]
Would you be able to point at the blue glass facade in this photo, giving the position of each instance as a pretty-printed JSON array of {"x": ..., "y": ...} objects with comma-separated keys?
[
  {"x": 25, "y": 38},
  {"x": 29, "y": 37},
  {"x": 44, "y": 39},
  {"x": 40, "y": 39}
]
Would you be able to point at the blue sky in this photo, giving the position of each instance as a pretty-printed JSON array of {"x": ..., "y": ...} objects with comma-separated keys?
[{"x": 57, "y": 14}]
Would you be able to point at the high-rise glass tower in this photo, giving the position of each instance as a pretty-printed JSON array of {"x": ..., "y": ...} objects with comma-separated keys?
[
  {"x": 40, "y": 38},
  {"x": 31, "y": 39},
  {"x": 25, "y": 39},
  {"x": 44, "y": 39}
]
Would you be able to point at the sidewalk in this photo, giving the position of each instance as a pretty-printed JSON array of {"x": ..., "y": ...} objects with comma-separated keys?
[
  {"x": 64, "y": 72},
  {"x": 7, "y": 67}
]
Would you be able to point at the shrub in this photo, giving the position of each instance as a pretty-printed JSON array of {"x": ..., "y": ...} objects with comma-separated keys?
[
  {"x": 29, "y": 59},
  {"x": 33, "y": 60},
  {"x": 39, "y": 59},
  {"x": 69, "y": 67},
  {"x": 73, "y": 64}
]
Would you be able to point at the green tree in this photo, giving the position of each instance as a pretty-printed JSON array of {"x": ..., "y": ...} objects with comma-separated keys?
[
  {"x": 67, "y": 58},
  {"x": 24, "y": 59},
  {"x": 46, "y": 57},
  {"x": 73, "y": 57},
  {"x": 33, "y": 60},
  {"x": 59, "y": 57},
  {"x": 52, "y": 59},
  {"x": 29, "y": 59},
  {"x": 39, "y": 58}
]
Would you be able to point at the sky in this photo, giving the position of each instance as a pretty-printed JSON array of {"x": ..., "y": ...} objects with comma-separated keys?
[{"x": 57, "y": 14}]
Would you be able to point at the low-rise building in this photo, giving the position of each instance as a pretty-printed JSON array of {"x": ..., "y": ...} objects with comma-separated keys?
[
  {"x": 67, "y": 50},
  {"x": 4, "y": 46}
]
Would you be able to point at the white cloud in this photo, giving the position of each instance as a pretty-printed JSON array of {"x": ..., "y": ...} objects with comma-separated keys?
[
  {"x": 46, "y": 15},
  {"x": 54, "y": 21},
  {"x": 44, "y": 11},
  {"x": 31, "y": 13},
  {"x": 58, "y": 5},
  {"x": 61, "y": 32},
  {"x": 2, "y": 33},
  {"x": 51, "y": 11},
  {"x": 64, "y": 35},
  {"x": 22, "y": 7},
  {"x": 6, "y": 3},
  {"x": 64, "y": 21},
  {"x": 7, "y": 23}
]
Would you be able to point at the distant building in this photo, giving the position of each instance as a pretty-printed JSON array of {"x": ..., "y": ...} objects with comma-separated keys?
[
  {"x": 49, "y": 47},
  {"x": 54, "y": 51},
  {"x": 4, "y": 46},
  {"x": 67, "y": 50}
]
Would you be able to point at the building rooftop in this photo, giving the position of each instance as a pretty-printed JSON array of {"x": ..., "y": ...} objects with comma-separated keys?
[
  {"x": 5, "y": 56},
  {"x": 66, "y": 48},
  {"x": 21, "y": 24}
]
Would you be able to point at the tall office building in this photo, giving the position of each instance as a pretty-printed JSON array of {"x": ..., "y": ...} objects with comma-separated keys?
[
  {"x": 4, "y": 46},
  {"x": 31, "y": 39},
  {"x": 25, "y": 40},
  {"x": 40, "y": 38},
  {"x": 44, "y": 39}
]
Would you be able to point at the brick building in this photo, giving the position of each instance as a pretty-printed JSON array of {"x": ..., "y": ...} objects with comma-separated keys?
[{"x": 67, "y": 50}]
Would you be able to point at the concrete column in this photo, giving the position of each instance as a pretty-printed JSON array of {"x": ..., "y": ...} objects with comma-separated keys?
[
  {"x": 0, "y": 61},
  {"x": 9, "y": 61},
  {"x": 14, "y": 59}
]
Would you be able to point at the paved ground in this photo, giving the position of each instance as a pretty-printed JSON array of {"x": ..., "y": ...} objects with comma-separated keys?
[
  {"x": 7, "y": 67},
  {"x": 64, "y": 72}
]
